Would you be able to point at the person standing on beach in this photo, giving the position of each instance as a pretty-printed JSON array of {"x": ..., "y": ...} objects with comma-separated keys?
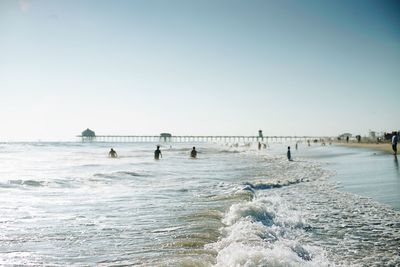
[
  {"x": 395, "y": 140},
  {"x": 193, "y": 153},
  {"x": 157, "y": 153},
  {"x": 259, "y": 146},
  {"x": 289, "y": 156}
]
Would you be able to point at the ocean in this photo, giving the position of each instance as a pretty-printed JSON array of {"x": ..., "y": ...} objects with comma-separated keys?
[{"x": 68, "y": 204}]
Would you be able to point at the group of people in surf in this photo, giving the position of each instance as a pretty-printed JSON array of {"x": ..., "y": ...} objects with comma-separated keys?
[{"x": 157, "y": 153}]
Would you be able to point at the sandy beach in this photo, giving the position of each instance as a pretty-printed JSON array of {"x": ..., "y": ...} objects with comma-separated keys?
[{"x": 385, "y": 147}]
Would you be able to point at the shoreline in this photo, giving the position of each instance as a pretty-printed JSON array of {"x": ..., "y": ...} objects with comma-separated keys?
[{"x": 383, "y": 147}]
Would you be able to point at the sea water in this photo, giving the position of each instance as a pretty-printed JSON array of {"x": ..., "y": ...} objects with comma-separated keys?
[{"x": 68, "y": 204}]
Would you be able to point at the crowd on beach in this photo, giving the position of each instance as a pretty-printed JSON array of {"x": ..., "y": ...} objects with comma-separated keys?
[
  {"x": 193, "y": 153},
  {"x": 386, "y": 142}
]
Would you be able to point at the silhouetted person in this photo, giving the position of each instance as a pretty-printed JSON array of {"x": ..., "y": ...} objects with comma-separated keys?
[
  {"x": 296, "y": 145},
  {"x": 289, "y": 155},
  {"x": 157, "y": 153},
  {"x": 259, "y": 146},
  {"x": 347, "y": 139},
  {"x": 308, "y": 141},
  {"x": 193, "y": 153},
  {"x": 112, "y": 153},
  {"x": 395, "y": 140}
]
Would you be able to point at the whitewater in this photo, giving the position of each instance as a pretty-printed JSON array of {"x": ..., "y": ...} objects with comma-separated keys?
[{"x": 68, "y": 204}]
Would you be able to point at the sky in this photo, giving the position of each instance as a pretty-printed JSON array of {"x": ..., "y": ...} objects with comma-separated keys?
[{"x": 288, "y": 67}]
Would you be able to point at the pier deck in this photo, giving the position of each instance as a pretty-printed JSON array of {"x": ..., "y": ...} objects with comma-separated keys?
[{"x": 197, "y": 138}]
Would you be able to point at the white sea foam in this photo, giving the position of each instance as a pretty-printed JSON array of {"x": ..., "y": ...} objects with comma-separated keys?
[{"x": 263, "y": 232}]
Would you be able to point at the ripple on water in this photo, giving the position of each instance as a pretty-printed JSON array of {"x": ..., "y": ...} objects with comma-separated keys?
[{"x": 33, "y": 183}]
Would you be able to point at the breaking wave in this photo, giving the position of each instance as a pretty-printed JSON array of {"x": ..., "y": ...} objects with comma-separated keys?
[{"x": 263, "y": 232}]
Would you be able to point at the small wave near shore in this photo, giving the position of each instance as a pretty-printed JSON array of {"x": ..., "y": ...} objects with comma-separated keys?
[{"x": 298, "y": 218}]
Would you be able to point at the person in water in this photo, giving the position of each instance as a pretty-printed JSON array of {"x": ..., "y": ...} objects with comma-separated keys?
[
  {"x": 395, "y": 140},
  {"x": 289, "y": 156},
  {"x": 112, "y": 153},
  {"x": 157, "y": 153},
  {"x": 193, "y": 153}
]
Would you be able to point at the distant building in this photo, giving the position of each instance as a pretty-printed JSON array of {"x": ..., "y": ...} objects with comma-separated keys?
[
  {"x": 165, "y": 137},
  {"x": 88, "y": 135},
  {"x": 345, "y": 135},
  {"x": 372, "y": 134}
]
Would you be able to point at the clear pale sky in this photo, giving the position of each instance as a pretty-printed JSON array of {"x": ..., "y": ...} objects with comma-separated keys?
[{"x": 198, "y": 67}]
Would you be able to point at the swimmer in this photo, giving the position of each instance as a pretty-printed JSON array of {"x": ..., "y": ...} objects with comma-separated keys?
[
  {"x": 193, "y": 153},
  {"x": 112, "y": 153},
  {"x": 289, "y": 156},
  {"x": 157, "y": 153}
]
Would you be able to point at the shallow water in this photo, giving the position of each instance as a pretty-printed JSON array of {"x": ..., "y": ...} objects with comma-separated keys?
[
  {"x": 361, "y": 171},
  {"x": 68, "y": 204}
]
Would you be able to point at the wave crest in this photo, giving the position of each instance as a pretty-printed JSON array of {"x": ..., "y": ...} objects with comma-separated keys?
[{"x": 263, "y": 232}]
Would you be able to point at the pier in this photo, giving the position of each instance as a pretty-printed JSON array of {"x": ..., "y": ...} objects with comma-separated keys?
[{"x": 90, "y": 136}]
